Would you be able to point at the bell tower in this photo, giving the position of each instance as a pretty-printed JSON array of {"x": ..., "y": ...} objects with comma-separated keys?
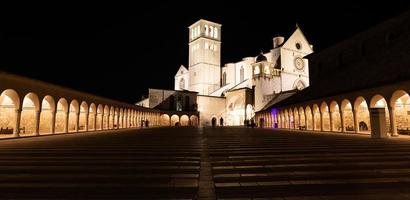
[{"x": 204, "y": 56}]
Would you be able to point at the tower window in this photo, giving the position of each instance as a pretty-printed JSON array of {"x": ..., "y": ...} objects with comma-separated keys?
[
  {"x": 241, "y": 75},
  {"x": 216, "y": 32},
  {"x": 224, "y": 79},
  {"x": 206, "y": 30}
]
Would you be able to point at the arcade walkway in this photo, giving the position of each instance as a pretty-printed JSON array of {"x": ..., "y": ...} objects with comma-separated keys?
[{"x": 186, "y": 163}]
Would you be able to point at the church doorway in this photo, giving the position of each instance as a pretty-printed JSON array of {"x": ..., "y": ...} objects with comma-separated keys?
[{"x": 213, "y": 121}]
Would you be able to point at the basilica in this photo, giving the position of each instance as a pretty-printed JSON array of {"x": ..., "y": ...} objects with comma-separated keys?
[{"x": 230, "y": 94}]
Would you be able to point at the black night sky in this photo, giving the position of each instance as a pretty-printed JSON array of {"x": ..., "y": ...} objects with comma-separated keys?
[{"x": 119, "y": 51}]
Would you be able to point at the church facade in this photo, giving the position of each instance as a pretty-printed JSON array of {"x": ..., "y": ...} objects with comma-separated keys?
[{"x": 230, "y": 94}]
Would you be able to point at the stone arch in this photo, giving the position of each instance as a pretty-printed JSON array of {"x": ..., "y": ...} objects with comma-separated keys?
[
  {"x": 9, "y": 105},
  {"x": 302, "y": 118},
  {"x": 361, "y": 111},
  {"x": 111, "y": 118},
  {"x": 116, "y": 118},
  {"x": 47, "y": 115},
  {"x": 309, "y": 118},
  {"x": 296, "y": 118},
  {"x": 336, "y": 123},
  {"x": 400, "y": 107},
  {"x": 184, "y": 120},
  {"x": 74, "y": 111},
  {"x": 346, "y": 109},
  {"x": 30, "y": 114},
  {"x": 106, "y": 118},
  {"x": 165, "y": 120},
  {"x": 175, "y": 120},
  {"x": 194, "y": 120},
  {"x": 121, "y": 118},
  {"x": 61, "y": 124},
  {"x": 83, "y": 116},
  {"x": 324, "y": 110},
  {"x": 291, "y": 119},
  {"x": 286, "y": 119},
  {"x": 99, "y": 120},
  {"x": 317, "y": 120},
  {"x": 299, "y": 84},
  {"x": 92, "y": 114}
]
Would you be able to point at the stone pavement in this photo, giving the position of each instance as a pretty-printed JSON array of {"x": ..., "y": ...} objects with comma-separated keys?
[{"x": 209, "y": 163}]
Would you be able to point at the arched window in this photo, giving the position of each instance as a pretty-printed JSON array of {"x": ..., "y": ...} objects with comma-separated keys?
[
  {"x": 171, "y": 102},
  {"x": 224, "y": 79},
  {"x": 187, "y": 103},
  {"x": 241, "y": 77},
  {"x": 179, "y": 103},
  {"x": 206, "y": 30},
  {"x": 300, "y": 85},
  {"x": 216, "y": 32},
  {"x": 182, "y": 84}
]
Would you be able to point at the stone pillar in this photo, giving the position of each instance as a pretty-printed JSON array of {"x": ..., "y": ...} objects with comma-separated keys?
[
  {"x": 102, "y": 122},
  {"x": 342, "y": 120},
  {"x": 306, "y": 121},
  {"x": 322, "y": 123},
  {"x": 86, "y": 121},
  {"x": 77, "y": 121},
  {"x": 37, "y": 124},
  {"x": 17, "y": 117},
  {"x": 313, "y": 121},
  {"x": 118, "y": 122},
  {"x": 393, "y": 122},
  {"x": 108, "y": 121},
  {"x": 331, "y": 120},
  {"x": 378, "y": 122},
  {"x": 67, "y": 114},
  {"x": 95, "y": 121},
  {"x": 53, "y": 122},
  {"x": 113, "y": 120},
  {"x": 355, "y": 121}
]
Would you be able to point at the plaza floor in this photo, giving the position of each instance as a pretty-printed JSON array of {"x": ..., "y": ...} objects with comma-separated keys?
[{"x": 205, "y": 163}]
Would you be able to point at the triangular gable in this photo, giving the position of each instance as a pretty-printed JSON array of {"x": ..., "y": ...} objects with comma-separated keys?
[
  {"x": 298, "y": 37},
  {"x": 181, "y": 70}
]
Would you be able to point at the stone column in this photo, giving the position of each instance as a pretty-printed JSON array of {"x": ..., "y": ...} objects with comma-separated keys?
[
  {"x": 67, "y": 114},
  {"x": 37, "y": 124},
  {"x": 393, "y": 122},
  {"x": 331, "y": 120},
  {"x": 95, "y": 121},
  {"x": 355, "y": 121},
  {"x": 306, "y": 121},
  {"x": 77, "y": 121},
  {"x": 102, "y": 122},
  {"x": 313, "y": 121},
  {"x": 342, "y": 120},
  {"x": 53, "y": 122},
  {"x": 118, "y": 122},
  {"x": 322, "y": 123},
  {"x": 17, "y": 117},
  {"x": 108, "y": 121},
  {"x": 86, "y": 121}
]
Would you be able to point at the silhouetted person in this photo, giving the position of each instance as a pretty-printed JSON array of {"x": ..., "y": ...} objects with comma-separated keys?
[
  {"x": 146, "y": 123},
  {"x": 221, "y": 122}
]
